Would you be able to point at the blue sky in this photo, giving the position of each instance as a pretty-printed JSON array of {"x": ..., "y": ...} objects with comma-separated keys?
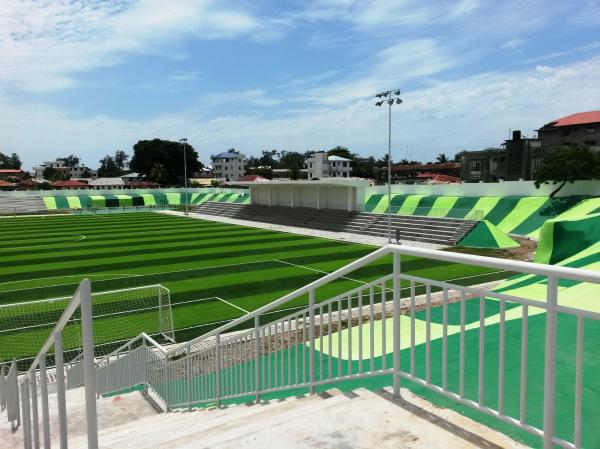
[{"x": 90, "y": 77}]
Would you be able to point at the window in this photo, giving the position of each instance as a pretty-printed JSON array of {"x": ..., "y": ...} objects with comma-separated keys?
[
  {"x": 536, "y": 164},
  {"x": 566, "y": 131},
  {"x": 590, "y": 142},
  {"x": 590, "y": 130},
  {"x": 475, "y": 165}
]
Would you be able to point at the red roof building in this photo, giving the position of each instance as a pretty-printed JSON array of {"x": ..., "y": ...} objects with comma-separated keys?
[
  {"x": 6, "y": 183},
  {"x": 582, "y": 128},
  {"x": 10, "y": 173},
  {"x": 70, "y": 184}
]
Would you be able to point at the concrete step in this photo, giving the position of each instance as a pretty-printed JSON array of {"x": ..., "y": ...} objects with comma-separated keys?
[{"x": 358, "y": 420}]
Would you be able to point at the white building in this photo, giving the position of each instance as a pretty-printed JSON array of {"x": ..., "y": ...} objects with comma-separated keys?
[
  {"x": 67, "y": 172},
  {"x": 323, "y": 166},
  {"x": 229, "y": 165},
  {"x": 107, "y": 183}
]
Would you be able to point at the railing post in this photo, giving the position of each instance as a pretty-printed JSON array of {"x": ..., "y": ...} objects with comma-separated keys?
[
  {"x": 60, "y": 390},
  {"x": 45, "y": 410},
  {"x": 396, "y": 323},
  {"x": 550, "y": 362},
  {"x": 35, "y": 422},
  {"x": 89, "y": 368},
  {"x": 257, "y": 357},
  {"x": 218, "y": 369},
  {"x": 311, "y": 334},
  {"x": 26, "y": 415},
  {"x": 188, "y": 368}
]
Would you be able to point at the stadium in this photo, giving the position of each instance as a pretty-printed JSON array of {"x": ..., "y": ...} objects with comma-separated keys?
[{"x": 473, "y": 303}]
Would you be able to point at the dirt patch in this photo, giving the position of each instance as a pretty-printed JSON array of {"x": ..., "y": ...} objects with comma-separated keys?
[{"x": 525, "y": 252}]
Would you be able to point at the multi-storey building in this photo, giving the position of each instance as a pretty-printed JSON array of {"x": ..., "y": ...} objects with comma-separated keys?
[
  {"x": 79, "y": 171},
  {"x": 519, "y": 157},
  {"x": 323, "y": 166},
  {"x": 229, "y": 165}
]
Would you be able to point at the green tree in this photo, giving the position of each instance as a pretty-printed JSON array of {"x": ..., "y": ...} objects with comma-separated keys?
[
  {"x": 441, "y": 158},
  {"x": 121, "y": 159},
  {"x": 567, "y": 164},
  {"x": 52, "y": 174},
  {"x": 157, "y": 173},
  {"x": 340, "y": 151},
  {"x": 12, "y": 162},
  {"x": 108, "y": 167},
  {"x": 148, "y": 153},
  {"x": 70, "y": 161}
]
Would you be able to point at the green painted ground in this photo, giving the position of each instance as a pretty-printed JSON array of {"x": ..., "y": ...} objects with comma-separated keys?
[{"x": 215, "y": 271}]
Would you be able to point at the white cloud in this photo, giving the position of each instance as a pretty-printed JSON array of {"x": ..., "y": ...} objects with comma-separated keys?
[
  {"x": 558, "y": 54},
  {"x": 449, "y": 116},
  {"x": 43, "y": 43},
  {"x": 390, "y": 67}
]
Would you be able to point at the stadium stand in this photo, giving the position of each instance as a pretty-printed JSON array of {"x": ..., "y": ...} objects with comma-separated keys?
[
  {"x": 22, "y": 205},
  {"x": 444, "y": 231}
]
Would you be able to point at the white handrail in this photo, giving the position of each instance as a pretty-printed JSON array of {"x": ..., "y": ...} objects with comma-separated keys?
[{"x": 444, "y": 256}]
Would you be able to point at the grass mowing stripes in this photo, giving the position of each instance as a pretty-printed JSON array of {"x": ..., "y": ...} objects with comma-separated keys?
[{"x": 46, "y": 257}]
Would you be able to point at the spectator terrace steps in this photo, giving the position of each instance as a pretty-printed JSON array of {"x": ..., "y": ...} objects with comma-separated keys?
[{"x": 443, "y": 231}]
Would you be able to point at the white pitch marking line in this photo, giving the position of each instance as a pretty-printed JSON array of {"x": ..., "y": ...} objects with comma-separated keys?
[
  {"x": 232, "y": 305},
  {"x": 318, "y": 271},
  {"x": 128, "y": 274},
  {"x": 81, "y": 237}
]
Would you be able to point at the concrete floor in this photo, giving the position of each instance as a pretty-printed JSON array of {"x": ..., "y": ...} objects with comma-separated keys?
[{"x": 334, "y": 420}]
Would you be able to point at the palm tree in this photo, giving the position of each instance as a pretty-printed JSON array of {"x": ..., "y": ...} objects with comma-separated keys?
[{"x": 441, "y": 158}]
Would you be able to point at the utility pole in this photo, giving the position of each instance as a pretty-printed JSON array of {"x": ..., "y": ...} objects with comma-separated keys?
[{"x": 184, "y": 143}]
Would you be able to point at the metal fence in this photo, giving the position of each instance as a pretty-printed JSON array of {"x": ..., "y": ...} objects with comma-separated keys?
[
  {"x": 33, "y": 398},
  {"x": 358, "y": 334},
  {"x": 336, "y": 339}
]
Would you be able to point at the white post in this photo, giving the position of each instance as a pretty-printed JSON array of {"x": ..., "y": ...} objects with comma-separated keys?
[
  {"x": 311, "y": 333},
  {"x": 218, "y": 370},
  {"x": 60, "y": 390},
  {"x": 318, "y": 197},
  {"x": 26, "y": 415},
  {"x": 292, "y": 195},
  {"x": 396, "y": 324},
  {"x": 45, "y": 409},
  {"x": 35, "y": 422},
  {"x": 89, "y": 368},
  {"x": 257, "y": 357},
  {"x": 349, "y": 199},
  {"x": 550, "y": 363},
  {"x": 270, "y": 195}
]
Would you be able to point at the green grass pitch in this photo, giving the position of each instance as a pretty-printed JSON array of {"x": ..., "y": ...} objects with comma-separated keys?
[{"x": 215, "y": 271}]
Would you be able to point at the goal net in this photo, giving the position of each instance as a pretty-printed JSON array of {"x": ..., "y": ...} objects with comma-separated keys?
[{"x": 118, "y": 316}]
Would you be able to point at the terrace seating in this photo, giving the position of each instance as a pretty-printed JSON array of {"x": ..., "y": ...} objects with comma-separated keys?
[
  {"x": 442, "y": 231},
  {"x": 13, "y": 205}
]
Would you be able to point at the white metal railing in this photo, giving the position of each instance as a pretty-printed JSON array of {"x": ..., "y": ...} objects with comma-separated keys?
[
  {"x": 28, "y": 384},
  {"x": 9, "y": 394},
  {"x": 311, "y": 346},
  {"x": 438, "y": 212}
]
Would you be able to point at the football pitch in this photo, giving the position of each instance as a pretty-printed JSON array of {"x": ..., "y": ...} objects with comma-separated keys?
[{"x": 215, "y": 272}]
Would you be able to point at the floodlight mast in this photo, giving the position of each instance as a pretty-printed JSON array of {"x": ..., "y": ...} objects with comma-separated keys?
[
  {"x": 390, "y": 97},
  {"x": 183, "y": 141}
]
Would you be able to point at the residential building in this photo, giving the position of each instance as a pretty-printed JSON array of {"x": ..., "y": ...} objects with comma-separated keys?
[
  {"x": 520, "y": 156},
  {"x": 229, "y": 165},
  {"x": 12, "y": 173},
  {"x": 514, "y": 161},
  {"x": 321, "y": 165},
  {"x": 414, "y": 173},
  {"x": 69, "y": 184},
  {"x": 107, "y": 183},
  {"x": 582, "y": 128},
  {"x": 66, "y": 172}
]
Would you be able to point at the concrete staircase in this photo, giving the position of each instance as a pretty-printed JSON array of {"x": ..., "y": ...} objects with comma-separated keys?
[
  {"x": 16, "y": 205},
  {"x": 361, "y": 419},
  {"x": 442, "y": 231}
]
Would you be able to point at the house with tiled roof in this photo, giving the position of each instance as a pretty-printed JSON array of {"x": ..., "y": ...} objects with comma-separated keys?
[{"x": 582, "y": 128}]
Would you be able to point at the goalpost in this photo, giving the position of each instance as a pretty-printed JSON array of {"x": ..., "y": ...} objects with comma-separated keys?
[{"x": 118, "y": 315}]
